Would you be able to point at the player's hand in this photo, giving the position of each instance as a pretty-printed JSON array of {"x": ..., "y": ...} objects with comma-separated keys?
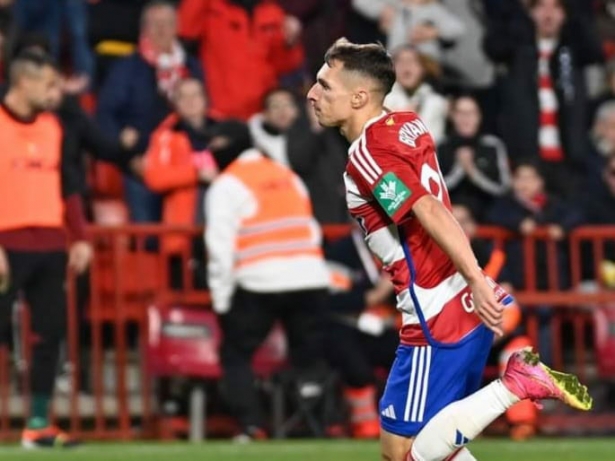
[
  {"x": 80, "y": 255},
  {"x": 5, "y": 272},
  {"x": 129, "y": 137},
  {"x": 486, "y": 306}
]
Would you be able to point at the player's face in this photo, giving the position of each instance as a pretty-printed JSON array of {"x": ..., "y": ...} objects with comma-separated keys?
[
  {"x": 330, "y": 96},
  {"x": 42, "y": 88},
  {"x": 466, "y": 117},
  {"x": 549, "y": 17},
  {"x": 409, "y": 70}
]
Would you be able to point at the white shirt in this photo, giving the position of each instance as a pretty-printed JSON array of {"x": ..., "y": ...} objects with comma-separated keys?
[{"x": 228, "y": 203}]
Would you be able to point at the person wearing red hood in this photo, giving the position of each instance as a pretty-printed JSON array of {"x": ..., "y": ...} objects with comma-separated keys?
[{"x": 246, "y": 46}]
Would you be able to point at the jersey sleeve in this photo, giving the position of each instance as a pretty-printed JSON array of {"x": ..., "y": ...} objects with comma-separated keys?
[{"x": 392, "y": 170}]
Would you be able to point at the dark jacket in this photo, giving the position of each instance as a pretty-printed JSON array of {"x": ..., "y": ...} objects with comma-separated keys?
[
  {"x": 491, "y": 160},
  {"x": 509, "y": 213},
  {"x": 81, "y": 135},
  {"x": 511, "y": 40},
  {"x": 129, "y": 97}
]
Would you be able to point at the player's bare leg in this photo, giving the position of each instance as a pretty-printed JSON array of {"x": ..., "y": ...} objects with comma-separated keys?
[{"x": 394, "y": 447}]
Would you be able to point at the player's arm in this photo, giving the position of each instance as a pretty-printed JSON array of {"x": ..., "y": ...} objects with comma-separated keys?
[{"x": 444, "y": 229}]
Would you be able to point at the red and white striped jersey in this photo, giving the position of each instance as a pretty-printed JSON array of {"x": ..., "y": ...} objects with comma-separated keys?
[{"x": 392, "y": 165}]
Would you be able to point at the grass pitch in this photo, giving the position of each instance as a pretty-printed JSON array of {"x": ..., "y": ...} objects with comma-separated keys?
[{"x": 484, "y": 450}]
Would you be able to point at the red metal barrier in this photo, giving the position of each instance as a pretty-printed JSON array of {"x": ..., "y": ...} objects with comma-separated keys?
[{"x": 128, "y": 275}]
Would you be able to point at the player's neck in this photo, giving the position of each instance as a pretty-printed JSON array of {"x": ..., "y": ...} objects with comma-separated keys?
[{"x": 353, "y": 128}]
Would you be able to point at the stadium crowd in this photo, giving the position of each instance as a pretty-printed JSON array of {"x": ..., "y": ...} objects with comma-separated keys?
[{"x": 158, "y": 98}]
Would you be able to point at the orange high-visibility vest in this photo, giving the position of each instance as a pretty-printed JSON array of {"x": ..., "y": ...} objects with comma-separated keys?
[
  {"x": 283, "y": 225},
  {"x": 30, "y": 178}
]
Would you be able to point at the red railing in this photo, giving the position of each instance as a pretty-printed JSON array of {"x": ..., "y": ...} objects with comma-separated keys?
[{"x": 128, "y": 275}]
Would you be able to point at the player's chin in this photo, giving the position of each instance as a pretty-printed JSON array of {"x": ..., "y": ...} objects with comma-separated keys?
[{"x": 327, "y": 122}]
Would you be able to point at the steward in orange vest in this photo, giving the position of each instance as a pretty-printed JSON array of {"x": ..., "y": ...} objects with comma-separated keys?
[{"x": 265, "y": 264}]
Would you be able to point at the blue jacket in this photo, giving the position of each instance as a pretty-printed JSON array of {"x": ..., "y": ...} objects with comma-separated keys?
[{"x": 129, "y": 97}]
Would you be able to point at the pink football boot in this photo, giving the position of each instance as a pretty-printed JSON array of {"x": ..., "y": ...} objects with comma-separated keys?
[{"x": 528, "y": 378}]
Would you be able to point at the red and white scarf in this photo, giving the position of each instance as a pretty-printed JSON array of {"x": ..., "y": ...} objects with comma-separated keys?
[
  {"x": 548, "y": 130},
  {"x": 170, "y": 67}
]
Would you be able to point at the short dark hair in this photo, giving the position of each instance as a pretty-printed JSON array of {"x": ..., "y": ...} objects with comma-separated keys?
[
  {"x": 371, "y": 60},
  {"x": 26, "y": 61},
  {"x": 278, "y": 90}
]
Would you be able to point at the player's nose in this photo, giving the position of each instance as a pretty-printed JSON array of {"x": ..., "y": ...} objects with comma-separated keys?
[{"x": 311, "y": 96}]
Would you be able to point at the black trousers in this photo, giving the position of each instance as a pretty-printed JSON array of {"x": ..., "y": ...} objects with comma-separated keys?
[
  {"x": 355, "y": 355},
  {"x": 246, "y": 326},
  {"x": 40, "y": 277}
]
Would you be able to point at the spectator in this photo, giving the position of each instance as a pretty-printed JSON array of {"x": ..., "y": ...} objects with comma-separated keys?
[
  {"x": 49, "y": 17},
  {"x": 265, "y": 264},
  {"x": 545, "y": 118},
  {"x": 246, "y": 46},
  {"x": 412, "y": 92},
  {"x": 523, "y": 416},
  {"x": 603, "y": 145},
  {"x": 33, "y": 243},
  {"x": 608, "y": 94},
  {"x": 474, "y": 165},
  {"x": 528, "y": 207},
  {"x": 282, "y": 131},
  {"x": 426, "y": 24},
  {"x": 362, "y": 331},
  {"x": 136, "y": 95},
  {"x": 180, "y": 165}
]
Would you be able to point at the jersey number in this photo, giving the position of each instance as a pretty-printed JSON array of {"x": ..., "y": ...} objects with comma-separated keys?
[{"x": 432, "y": 181}]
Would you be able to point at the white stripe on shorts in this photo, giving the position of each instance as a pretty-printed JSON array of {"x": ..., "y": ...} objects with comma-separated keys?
[{"x": 418, "y": 384}]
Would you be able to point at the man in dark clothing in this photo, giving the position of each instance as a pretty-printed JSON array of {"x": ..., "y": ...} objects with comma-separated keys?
[
  {"x": 33, "y": 242},
  {"x": 543, "y": 91},
  {"x": 137, "y": 92}
]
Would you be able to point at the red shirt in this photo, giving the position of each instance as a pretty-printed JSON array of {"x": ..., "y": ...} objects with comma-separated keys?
[{"x": 391, "y": 165}]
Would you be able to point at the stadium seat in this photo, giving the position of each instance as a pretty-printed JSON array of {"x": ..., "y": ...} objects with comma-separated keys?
[{"x": 184, "y": 341}]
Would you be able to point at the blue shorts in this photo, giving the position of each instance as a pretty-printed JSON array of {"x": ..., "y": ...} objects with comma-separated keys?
[{"x": 425, "y": 379}]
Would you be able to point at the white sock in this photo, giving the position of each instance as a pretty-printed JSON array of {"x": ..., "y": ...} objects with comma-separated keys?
[{"x": 461, "y": 421}]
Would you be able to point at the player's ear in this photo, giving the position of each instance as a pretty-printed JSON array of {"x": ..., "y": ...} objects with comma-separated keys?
[{"x": 359, "y": 99}]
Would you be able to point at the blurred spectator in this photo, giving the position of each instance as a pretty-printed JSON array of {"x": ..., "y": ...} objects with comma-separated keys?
[
  {"x": 412, "y": 92},
  {"x": 265, "y": 265},
  {"x": 323, "y": 22},
  {"x": 474, "y": 165},
  {"x": 283, "y": 132},
  {"x": 599, "y": 203},
  {"x": 136, "y": 95},
  {"x": 362, "y": 331},
  {"x": 49, "y": 17},
  {"x": 426, "y": 24},
  {"x": 246, "y": 46},
  {"x": 544, "y": 118},
  {"x": 528, "y": 207},
  {"x": 180, "y": 165},
  {"x": 472, "y": 68},
  {"x": 363, "y": 24},
  {"x": 523, "y": 416},
  {"x": 603, "y": 145},
  {"x": 40, "y": 199},
  {"x": 608, "y": 93}
]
